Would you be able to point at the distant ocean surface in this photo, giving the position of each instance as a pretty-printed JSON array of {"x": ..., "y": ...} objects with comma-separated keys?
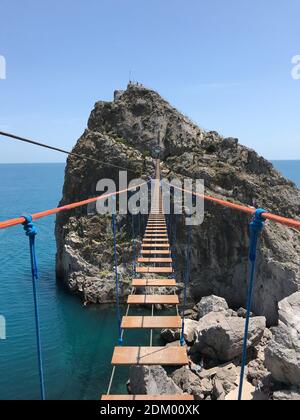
[{"x": 77, "y": 341}]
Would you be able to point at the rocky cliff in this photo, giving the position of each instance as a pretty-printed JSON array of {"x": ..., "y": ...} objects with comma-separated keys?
[{"x": 125, "y": 132}]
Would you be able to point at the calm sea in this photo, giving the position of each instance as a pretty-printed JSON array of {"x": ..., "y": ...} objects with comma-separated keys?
[{"x": 77, "y": 341}]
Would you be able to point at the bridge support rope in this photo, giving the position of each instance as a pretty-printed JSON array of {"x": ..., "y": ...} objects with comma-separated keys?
[
  {"x": 186, "y": 281},
  {"x": 256, "y": 226},
  {"x": 114, "y": 228},
  {"x": 31, "y": 232}
]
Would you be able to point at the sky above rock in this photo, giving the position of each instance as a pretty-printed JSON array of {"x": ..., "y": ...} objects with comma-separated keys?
[{"x": 227, "y": 65}]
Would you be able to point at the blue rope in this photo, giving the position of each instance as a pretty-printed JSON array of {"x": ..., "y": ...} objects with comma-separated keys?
[
  {"x": 186, "y": 282},
  {"x": 31, "y": 232},
  {"x": 134, "y": 244},
  {"x": 114, "y": 228},
  {"x": 256, "y": 226},
  {"x": 139, "y": 222},
  {"x": 173, "y": 252}
]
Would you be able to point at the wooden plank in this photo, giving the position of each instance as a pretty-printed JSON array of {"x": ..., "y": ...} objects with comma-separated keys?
[
  {"x": 154, "y": 260},
  {"x": 156, "y": 230},
  {"x": 154, "y": 269},
  {"x": 149, "y": 245},
  {"x": 153, "y": 300},
  {"x": 156, "y": 227},
  {"x": 166, "y": 356},
  {"x": 151, "y": 322},
  {"x": 154, "y": 252},
  {"x": 155, "y": 240},
  {"x": 156, "y": 222},
  {"x": 155, "y": 235},
  {"x": 163, "y": 397},
  {"x": 154, "y": 283}
]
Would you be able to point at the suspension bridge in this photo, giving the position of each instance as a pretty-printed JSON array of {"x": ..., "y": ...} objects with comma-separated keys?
[{"x": 155, "y": 258}]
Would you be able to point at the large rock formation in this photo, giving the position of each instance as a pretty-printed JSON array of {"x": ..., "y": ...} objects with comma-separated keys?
[
  {"x": 152, "y": 380},
  {"x": 125, "y": 133},
  {"x": 220, "y": 335},
  {"x": 210, "y": 304},
  {"x": 283, "y": 351}
]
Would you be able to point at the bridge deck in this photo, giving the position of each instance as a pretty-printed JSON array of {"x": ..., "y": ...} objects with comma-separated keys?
[
  {"x": 165, "y": 356},
  {"x": 153, "y": 299},
  {"x": 154, "y": 260},
  {"x": 149, "y": 322},
  {"x": 155, "y": 249},
  {"x": 155, "y": 252},
  {"x": 149, "y": 245},
  {"x": 154, "y": 283},
  {"x": 156, "y": 270}
]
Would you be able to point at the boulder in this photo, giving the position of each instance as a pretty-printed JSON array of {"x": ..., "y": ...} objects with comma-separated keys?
[
  {"x": 242, "y": 313},
  {"x": 191, "y": 384},
  {"x": 248, "y": 393},
  {"x": 224, "y": 379},
  {"x": 210, "y": 304},
  {"x": 220, "y": 336},
  {"x": 151, "y": 380},
  {"x": 287, "y": 395},
  {"x": 190, "y": 327},
  {"x": 283, "y": 351},
  {"x": 169, "y": 335}
]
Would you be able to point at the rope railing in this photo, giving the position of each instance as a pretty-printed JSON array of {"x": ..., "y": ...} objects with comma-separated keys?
[
  {"x": 20, "y": 220},
  {"x": 292, "y": 223}
]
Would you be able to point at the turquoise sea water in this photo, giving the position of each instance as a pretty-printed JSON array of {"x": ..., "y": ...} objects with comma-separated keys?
[{"x": 77, "y": 341}]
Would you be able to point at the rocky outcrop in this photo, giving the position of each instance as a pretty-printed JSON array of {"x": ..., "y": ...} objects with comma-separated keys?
[
  {"x": 283, "y": 352},
  {"x": 207, "y": 377},
  {"x": 287, "y": 395},
  {"x": 152, "y": 380},
  {"x": 192, "y": 384},
  {"x": 125, "y": 133},
  {"x": 220, "y": 335},
  {"x": 210, "y": 304}
]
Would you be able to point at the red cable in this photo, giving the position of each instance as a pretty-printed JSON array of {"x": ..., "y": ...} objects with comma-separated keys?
[
  {"x": 270, "y": 216},
  {"x": 20, "y": 220}
]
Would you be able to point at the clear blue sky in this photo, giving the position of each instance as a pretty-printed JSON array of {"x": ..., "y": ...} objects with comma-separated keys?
[{"x": 224, "y": 63}]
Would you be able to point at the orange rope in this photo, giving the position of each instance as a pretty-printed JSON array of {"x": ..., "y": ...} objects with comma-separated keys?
[
  {"x": 293, "y": 223},
  {"x": 20, "y": 220}
]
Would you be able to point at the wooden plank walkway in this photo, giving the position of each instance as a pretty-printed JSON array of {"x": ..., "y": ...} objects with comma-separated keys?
[
  {"x": 149, "y": 322},
  {"x": 154, "y": 260},
  {"x": 155, "y": 250},
  {"x": 153, "y": 300},
  {"x": 157, "y": 270},
  {"x": 165, "y": 356},
  {"x": 154, "y": 283},
  {"x": 149, "y": 245},
  {"x": 155, "y": 235},
  {"x": 145, "y": 239}
]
